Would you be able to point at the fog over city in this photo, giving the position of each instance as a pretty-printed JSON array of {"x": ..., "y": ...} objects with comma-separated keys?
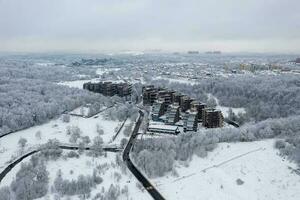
[{"x": 147, "y": 25}]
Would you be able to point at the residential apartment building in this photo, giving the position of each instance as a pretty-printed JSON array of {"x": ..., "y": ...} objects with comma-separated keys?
[{"x": 212, "y": 118}]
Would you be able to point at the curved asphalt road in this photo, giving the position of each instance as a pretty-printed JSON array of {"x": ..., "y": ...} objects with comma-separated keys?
[
  {"x": 233, "y": 123},
  {"x": 126, "y": 158}
]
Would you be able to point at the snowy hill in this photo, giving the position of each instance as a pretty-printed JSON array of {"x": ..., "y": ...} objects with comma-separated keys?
[{"x": 263, "y": 173}]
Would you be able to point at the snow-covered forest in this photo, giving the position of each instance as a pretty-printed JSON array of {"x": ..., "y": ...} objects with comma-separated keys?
[
  {"x": 262, "y": 96},
  {"x": 28, "y": 95}
]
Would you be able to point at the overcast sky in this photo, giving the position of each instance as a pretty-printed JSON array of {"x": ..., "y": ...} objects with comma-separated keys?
[{"x": 171, "y": 25}]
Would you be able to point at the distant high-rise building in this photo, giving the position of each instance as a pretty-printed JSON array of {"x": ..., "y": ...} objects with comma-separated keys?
[{"x": 109, "y": 88}]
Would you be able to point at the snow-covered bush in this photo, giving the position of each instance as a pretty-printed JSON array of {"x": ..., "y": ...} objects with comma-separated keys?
[
  {"x": 51, "y": 150},
  {"x": 128, "y": 129},
  {"x": 74, "y": 132},
  {"x": 113, "y": 192},
  {"x": 38, "y": 135},
  {"x": 22, "y": 142},
  {"x": 99, "y": 130},
  {"x": 72, "y": 154},
  {"x": 66, "y": 118},
  {"x": 96, "y": 148}
]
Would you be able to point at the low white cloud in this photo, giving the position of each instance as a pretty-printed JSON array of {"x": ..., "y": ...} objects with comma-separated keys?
[{"x": 88, "y": 25}]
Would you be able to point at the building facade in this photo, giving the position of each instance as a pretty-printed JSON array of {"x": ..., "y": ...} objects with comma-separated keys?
[
  {"x": 212, "y": 118},
  {"x": 109, "y": 88}
]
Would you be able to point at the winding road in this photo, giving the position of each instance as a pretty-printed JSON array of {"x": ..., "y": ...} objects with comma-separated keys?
[{"x": 126, "y": 158}]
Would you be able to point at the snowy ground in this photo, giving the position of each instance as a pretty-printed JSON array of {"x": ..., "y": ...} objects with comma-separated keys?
[
  {"x": 56, "y": 129},
  {"x": 177, "y": 79},
  {"x": 83, "y": 110},
  {"x": 71, "y": 168},
  {"x": 266, "y": 175},
  {"x": 79, "y": 83}
]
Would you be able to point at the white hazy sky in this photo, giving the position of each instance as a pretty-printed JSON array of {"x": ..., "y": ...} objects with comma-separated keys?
[{"x": 171, "y": 25}]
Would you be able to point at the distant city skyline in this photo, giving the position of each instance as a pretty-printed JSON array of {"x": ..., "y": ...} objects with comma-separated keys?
[{"x": 269, "y": 26}]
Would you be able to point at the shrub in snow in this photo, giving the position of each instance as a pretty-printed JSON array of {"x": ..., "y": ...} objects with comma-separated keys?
[
  {"x": 123, "y": 142},
  {"x": 117, "y": 176},
  {"x": 66, "y": 118},
  {"x": 239, "y": 182},
  {"x": 125, "y": 191},
  {"x": 86, "y": 140},
  {"x": 38, "y": 135},
  {"x": 51, "y": 150},
  {"x": 72, "y": 154},
  {"x": 128, "y": 129},
  {"x": 279, "y": 144},
  {"x": 22, "y": 143},
  {"x": 96, "y": 148},
  {"x": 99, "y": 130},
  {"x": 113, "y": 192},
  {"x": 74, "y": 132}
]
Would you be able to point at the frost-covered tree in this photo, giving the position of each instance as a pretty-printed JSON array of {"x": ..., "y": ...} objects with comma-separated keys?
[
  {"x": 31, "y": 181},
  {"x": 82, "y": 186},
  {"x": 127, "y": 129},
  {"x": 51, "y": 150},
  {"x": 22, "y": 143},
  {"x": 74, "y": 132},
  {"x": 66, "y": 118},
  {"x": 38, "y": 135},
  {"x": 123, "y": 142},
  {"x": 97, "y": 146},
  {"x": 113, "y": 192},
  {"x": 99, "y": 129},
  {"x": 38, "y": 101}
]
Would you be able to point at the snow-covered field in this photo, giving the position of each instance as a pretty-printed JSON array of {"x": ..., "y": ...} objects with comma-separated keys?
[
  {"x": 72, "y": 167},
  {"x": 265, "y": 174},
  {"x": 56, "y": 129},
  {"x": 178, "y": 80},
  {"x": 79, "y": 83},
  {"x": 84, "y": 165}
]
